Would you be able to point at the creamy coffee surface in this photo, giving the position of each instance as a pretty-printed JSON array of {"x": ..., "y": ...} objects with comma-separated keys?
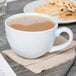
[{"x": 34, "y": 27}]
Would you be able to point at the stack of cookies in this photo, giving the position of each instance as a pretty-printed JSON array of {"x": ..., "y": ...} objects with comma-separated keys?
[{"x": 64, "y": 9}]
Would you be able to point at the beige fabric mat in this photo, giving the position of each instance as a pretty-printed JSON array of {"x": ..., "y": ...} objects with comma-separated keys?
[{"x": 47, "y": 61}]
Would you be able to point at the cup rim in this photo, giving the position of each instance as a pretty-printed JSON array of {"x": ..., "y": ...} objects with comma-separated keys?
[{"x": 32, "y": 14}]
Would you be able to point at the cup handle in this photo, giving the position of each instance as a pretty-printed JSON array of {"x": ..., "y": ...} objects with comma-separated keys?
[{"x": 62, "y": 46}]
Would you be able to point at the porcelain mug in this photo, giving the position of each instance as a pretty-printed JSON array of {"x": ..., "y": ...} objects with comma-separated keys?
[{"x": 34, "y": 44}]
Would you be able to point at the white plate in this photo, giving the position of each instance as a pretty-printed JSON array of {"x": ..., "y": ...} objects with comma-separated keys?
[{"x": 30, "y": 8}]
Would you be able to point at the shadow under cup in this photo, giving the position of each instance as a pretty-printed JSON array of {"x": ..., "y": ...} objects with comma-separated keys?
[{"x": 30, "y": 44}]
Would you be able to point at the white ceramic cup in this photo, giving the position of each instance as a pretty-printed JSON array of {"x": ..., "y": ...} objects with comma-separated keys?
[{"x": 34, "y": 44}]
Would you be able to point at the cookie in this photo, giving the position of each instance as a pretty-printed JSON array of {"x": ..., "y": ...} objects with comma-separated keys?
[
  {"x": 50, "y": 9},
  {"x": 67, "y": 5},
  {"x": 65, "y": 16}
]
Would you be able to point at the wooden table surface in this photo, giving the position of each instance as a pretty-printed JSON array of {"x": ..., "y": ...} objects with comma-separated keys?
[{"x": 17, "y": 7}]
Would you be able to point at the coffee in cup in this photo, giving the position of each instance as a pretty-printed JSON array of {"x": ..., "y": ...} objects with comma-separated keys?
[
  {"x": 32, "y": 35},
  {"x": 34, "y": 27}
]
